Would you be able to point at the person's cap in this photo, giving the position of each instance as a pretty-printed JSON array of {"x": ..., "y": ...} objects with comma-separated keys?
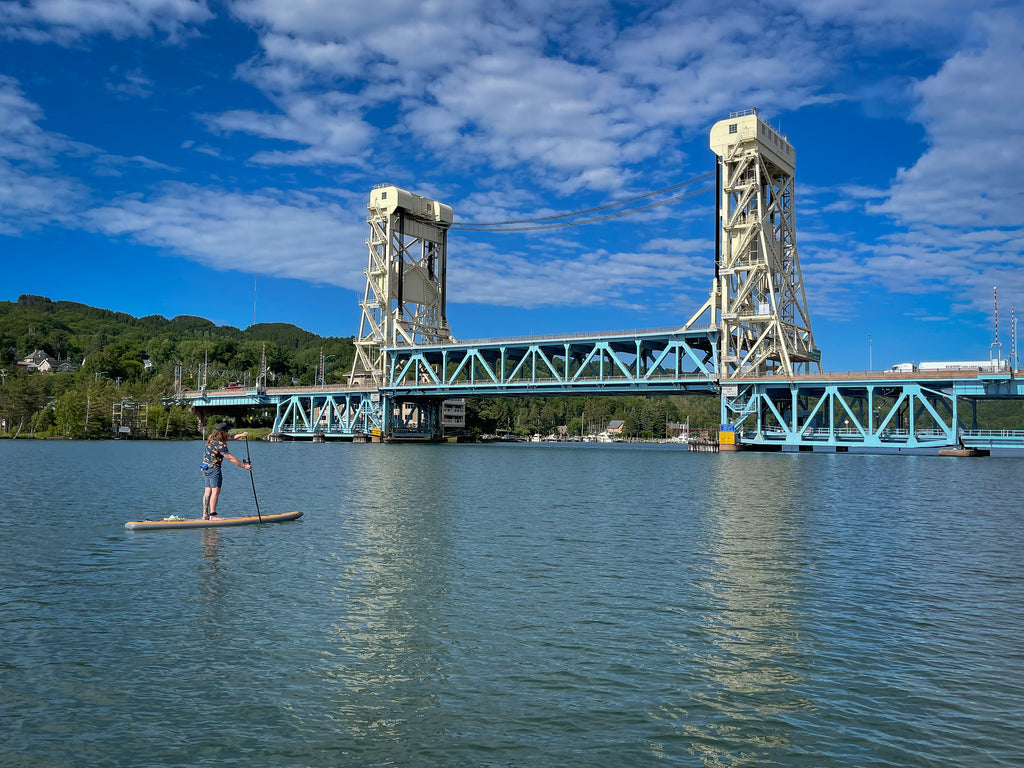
[{"x": 223, "y": 427}]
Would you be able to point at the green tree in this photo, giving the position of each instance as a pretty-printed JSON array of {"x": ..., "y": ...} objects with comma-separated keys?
[
  {"x": 69, "y": 413},
  {"x": 22, "y": 396}
]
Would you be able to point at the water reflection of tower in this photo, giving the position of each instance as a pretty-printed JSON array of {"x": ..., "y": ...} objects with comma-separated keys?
[
  {"x": 395, "y": 562},
  {"x": 753, "y": 559}
]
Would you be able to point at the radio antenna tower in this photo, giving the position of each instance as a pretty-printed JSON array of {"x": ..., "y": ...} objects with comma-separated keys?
[
  {"x": 996, "y": 351},
  {"x": 406, "y": 277},
  {"x": 757, "y": 298}
]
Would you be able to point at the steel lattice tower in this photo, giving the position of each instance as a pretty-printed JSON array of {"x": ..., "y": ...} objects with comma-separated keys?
[
  {"x": 757, "y": 298},
  {"x": 405, "y": 296}
]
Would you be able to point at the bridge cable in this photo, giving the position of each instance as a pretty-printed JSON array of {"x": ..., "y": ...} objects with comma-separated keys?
[
  {"x": 466, "y": 225},
  {"x": 605, "y": 217}
]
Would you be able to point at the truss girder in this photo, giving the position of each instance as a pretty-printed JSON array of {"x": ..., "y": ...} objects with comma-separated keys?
[
  {"x": 872, "y": 414},
  {"x": 334, "y": 414},
  {"x": 661, "y": 361}
]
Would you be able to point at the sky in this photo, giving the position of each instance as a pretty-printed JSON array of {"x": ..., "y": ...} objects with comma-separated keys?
[{"x": 215, "y": 158}]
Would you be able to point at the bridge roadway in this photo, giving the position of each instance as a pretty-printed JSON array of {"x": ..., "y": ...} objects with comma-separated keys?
[
  {"x": 625, "y": 362},
  {"x": 886, "y": 409}
]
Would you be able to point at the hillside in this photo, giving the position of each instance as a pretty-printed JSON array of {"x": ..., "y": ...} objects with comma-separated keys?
[{"x": 116, "y": 357}]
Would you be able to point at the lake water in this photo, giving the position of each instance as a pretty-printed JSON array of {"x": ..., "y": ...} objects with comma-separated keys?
[{"x": 511, "y": 605}]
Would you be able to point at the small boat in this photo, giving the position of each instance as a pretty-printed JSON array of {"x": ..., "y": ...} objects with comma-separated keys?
[{"x": 173, "y": 523}]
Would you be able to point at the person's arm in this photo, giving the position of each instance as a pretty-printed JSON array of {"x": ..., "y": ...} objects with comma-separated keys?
[
  {"x": 240, "y": 436},
  {"x": 236, "y": 462}
]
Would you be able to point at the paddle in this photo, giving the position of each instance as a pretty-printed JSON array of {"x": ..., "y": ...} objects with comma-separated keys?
[{"x": 251, "y": 478}]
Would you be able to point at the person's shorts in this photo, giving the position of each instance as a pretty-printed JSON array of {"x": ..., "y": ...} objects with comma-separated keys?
[{"x": 212, "y": 478}]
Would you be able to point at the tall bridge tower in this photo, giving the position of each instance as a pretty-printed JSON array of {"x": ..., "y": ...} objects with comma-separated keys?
[
  {"x": 406, "y": 276},
  {"x": 757, "y": 298}
]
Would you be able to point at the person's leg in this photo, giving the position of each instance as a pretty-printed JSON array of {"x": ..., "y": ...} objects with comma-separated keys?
[
  {"x": 214, "y": 495},
  {"x": 206, "y": 502}
]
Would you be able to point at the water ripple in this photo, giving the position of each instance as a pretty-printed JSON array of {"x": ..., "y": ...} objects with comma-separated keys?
[{"x": 514, "y": 606}]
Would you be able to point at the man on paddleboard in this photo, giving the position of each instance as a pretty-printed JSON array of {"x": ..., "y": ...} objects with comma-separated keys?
[{"x": 216, "y": 452}]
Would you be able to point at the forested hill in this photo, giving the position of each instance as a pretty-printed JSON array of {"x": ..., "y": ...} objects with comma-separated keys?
[
  {"x": 118, "y": 345},
  {"x": 111, "y": 359}
]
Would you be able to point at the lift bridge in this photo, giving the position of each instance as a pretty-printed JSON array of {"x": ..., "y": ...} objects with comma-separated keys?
[{"x": 751, "y": 342}]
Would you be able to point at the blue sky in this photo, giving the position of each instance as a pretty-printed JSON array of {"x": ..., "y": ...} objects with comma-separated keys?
[{"x": 215, "y": 158}]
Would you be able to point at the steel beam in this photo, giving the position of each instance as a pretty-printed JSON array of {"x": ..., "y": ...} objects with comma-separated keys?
[{"x": 669, "y": 360}]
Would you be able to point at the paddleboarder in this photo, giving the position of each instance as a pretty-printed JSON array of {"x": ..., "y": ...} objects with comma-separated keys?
[{"x": 214, "y": 455}]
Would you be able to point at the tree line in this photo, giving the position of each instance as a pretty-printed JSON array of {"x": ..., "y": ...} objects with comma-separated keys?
[{"x": 118, "y": 358}]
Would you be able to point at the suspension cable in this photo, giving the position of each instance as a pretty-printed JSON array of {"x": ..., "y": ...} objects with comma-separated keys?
[
  {"x": 593, "y": 219},
  {"x": 486, "y": 225}
]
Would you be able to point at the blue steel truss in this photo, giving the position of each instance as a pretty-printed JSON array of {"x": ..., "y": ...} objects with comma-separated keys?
[
  {"x": 920, "y": 410},
  {"x": 884, "y": 410},
  {"x": 670, "y": 360},
  {"x": 302, "y": 412},
  {"x": 330, "y": 414}
]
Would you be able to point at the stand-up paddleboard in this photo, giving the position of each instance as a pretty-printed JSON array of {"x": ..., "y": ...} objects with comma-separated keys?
[{"x": 217, "y": 522}]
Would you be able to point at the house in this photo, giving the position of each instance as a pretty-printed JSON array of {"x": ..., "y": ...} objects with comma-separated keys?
[
  {"x": 676, "y": 430},
  {"x": 612, "y": 433},
  {"x": 40, "y": 362},
  {"x": 37, "y": 361}
]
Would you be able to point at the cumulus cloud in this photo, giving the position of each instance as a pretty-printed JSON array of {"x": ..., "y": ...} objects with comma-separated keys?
[
  {"x": 575, "y": 276},
  {"x": 960, "y": 202},
  {"x": 32, "y": 190},
  {"x": 973, "y": 112},
  {"x": 329, "y": 129},
  {"x": 269, "y": 232},
  {"x": 513, "y": 103},
  {"x": 37, "y": 183},
  {"x": 68, "y": 21},
  {"x": 132, "y": 84},
  {"x": 517, "y": 87}
]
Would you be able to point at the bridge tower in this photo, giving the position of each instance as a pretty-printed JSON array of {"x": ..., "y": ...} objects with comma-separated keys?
[
  {"x": 757, "y": 299},
  {"x": 406, "y": 276}
]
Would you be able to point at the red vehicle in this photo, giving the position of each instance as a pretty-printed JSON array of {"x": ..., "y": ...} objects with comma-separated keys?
[{"x": 234, "y": 385}]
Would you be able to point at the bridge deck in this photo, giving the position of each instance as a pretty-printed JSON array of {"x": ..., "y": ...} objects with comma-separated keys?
[{"x": 836, "y": 408}]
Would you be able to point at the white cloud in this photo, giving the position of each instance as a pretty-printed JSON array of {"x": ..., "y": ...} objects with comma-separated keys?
[
  {"x": 973, "y": 111},
  {"x": 309, "y": 238},
  {"x": 67, "y": 21},
  {"x": 32, "y": 191},
  {"x": 272, "y": 233},
  {"x": 508, "y": 101},
  {"x": 961, "y": 201},
  {"x": 329, "y": 127},
  {"x": 568, "y": 277},
  {"x": 572, "y": 96},
  {"x": 131, "y": 84}
]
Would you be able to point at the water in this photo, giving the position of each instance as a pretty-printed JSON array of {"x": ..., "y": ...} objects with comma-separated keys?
[{"x": 524, "y": 605}]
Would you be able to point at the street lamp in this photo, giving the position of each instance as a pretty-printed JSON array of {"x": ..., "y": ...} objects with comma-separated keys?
[{"x": 323, "y": 369}]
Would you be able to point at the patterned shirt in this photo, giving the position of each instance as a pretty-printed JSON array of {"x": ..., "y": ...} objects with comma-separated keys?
[{"x": 215, "y": 452}]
